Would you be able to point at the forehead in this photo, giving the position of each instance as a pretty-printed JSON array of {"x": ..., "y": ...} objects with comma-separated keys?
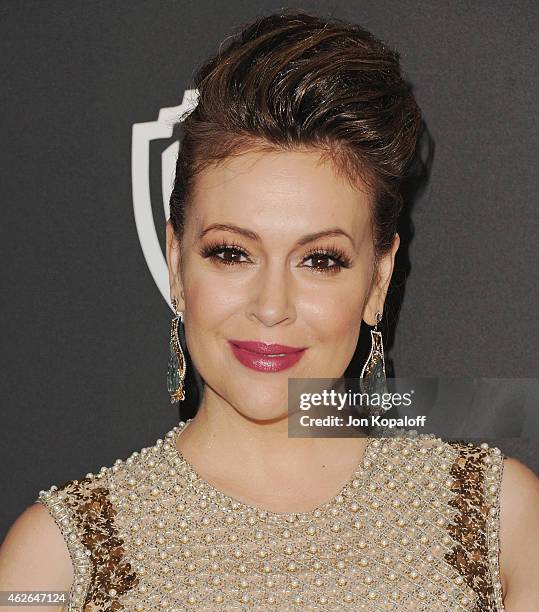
[{"x": 281, "y": 192}]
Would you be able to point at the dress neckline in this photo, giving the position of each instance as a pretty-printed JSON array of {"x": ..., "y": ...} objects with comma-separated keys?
[{"x": 358, "y": 478}]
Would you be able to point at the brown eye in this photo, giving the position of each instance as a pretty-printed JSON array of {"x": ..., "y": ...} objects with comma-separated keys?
[
  {"x": 230, "y": 256},
  {"x": 328, "y": 261},
  {"x": 224, "y": 254},
  {"x": 325, "y": 259}
]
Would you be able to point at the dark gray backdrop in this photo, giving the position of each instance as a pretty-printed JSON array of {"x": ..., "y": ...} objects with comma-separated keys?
[{"x": 84, "y": 340}]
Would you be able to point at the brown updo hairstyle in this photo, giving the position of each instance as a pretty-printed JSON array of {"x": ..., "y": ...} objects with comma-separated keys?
[{"x": 294, "y": 81}]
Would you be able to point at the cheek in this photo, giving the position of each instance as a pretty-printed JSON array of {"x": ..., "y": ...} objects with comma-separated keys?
[
  {"x": 207, "y": 307},
  {"x": 336, "y": 311},
  {"x": 212, "y": 302},
  {"x": 335, "y": 325},
  {"x": 211, "y": 299}
]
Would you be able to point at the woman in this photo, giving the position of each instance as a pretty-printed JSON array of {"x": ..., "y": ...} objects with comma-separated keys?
[{"x": 282, "y": 238}]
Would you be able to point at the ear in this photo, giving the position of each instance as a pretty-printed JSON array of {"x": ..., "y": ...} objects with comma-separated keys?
[
  {"x": 173, "y": 256},
  {"x": 382, "y": 276}
]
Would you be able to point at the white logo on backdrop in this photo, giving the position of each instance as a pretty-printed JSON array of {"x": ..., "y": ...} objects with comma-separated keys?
[{"x": 143, "y": 134}]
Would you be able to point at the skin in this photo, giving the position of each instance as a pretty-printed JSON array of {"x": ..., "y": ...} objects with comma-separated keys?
[
  {"x": 279, "y": 294},
  {"x": 239, "y": 436}
]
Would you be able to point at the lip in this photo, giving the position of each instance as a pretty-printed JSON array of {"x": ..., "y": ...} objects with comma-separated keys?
[
  {"x": 263, "y": 348},
  {"x": 255, "y": 355}
]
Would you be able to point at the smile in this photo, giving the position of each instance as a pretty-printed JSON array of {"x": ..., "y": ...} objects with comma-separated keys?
[{"x": 256, "y": 356}]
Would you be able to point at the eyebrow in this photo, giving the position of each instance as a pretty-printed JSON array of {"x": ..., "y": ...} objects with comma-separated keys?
[{"x": 334, "y": 231}]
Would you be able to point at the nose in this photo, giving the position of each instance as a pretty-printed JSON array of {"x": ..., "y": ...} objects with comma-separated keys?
[{"x": 272, "y": 300}]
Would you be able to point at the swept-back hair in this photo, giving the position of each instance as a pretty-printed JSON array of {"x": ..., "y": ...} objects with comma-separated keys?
[{"x": 292, "y": 81}]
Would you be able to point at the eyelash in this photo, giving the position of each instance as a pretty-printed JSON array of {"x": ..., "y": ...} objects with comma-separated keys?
[{"x": 339, "y": 257}]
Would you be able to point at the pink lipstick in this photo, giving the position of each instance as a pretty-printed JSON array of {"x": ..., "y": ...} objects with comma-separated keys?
[{"x": 266, "y": 357}]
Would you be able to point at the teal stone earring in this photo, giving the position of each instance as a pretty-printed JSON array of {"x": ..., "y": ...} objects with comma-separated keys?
[
  {"x": 373, "y": 374},
  {"x": 176, "y": 362}
]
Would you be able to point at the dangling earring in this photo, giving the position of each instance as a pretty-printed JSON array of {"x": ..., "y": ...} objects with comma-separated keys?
[
  {"x": 176, "y": 362},
  {"x": 373, "y": 374}
]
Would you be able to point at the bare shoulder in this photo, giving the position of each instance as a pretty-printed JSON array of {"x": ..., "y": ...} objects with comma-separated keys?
[
  {"x": 34, "y": 555},
  {"x": 519, "y": 536}
]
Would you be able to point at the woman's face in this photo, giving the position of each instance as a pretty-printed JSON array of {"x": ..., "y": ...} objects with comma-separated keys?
[{"x": 257, "y": 265}]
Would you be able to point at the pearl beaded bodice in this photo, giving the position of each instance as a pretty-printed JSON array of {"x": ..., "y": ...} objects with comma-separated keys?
[{"x": 415, "y": 528}]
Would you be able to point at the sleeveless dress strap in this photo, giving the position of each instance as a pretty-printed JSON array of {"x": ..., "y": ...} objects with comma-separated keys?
[
  {"x": 477, "y": 472},
  {"x": 84, "y": 513}
]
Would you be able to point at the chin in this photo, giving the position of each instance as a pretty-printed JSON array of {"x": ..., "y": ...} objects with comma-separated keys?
[
  {"x": 264, "y": 416},
  {"x": 260, "y": 405}
]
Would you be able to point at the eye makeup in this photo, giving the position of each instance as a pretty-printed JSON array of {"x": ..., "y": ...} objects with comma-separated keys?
[{"x": 229, "y": 253}]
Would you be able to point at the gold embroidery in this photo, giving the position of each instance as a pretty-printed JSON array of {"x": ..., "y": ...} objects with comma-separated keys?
[
  {"x": 92, "y": 514},
  {"x": 54, "y": 501},
  {"x": 476, "y": 473}
]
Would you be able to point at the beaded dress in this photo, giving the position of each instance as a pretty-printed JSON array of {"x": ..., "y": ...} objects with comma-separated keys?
[{"x": 416, "y": 527}]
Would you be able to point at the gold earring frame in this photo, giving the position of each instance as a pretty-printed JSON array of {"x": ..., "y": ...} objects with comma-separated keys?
[
  {"x": 373, "y": 374},
  {"x": 176, "y": 365}
]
